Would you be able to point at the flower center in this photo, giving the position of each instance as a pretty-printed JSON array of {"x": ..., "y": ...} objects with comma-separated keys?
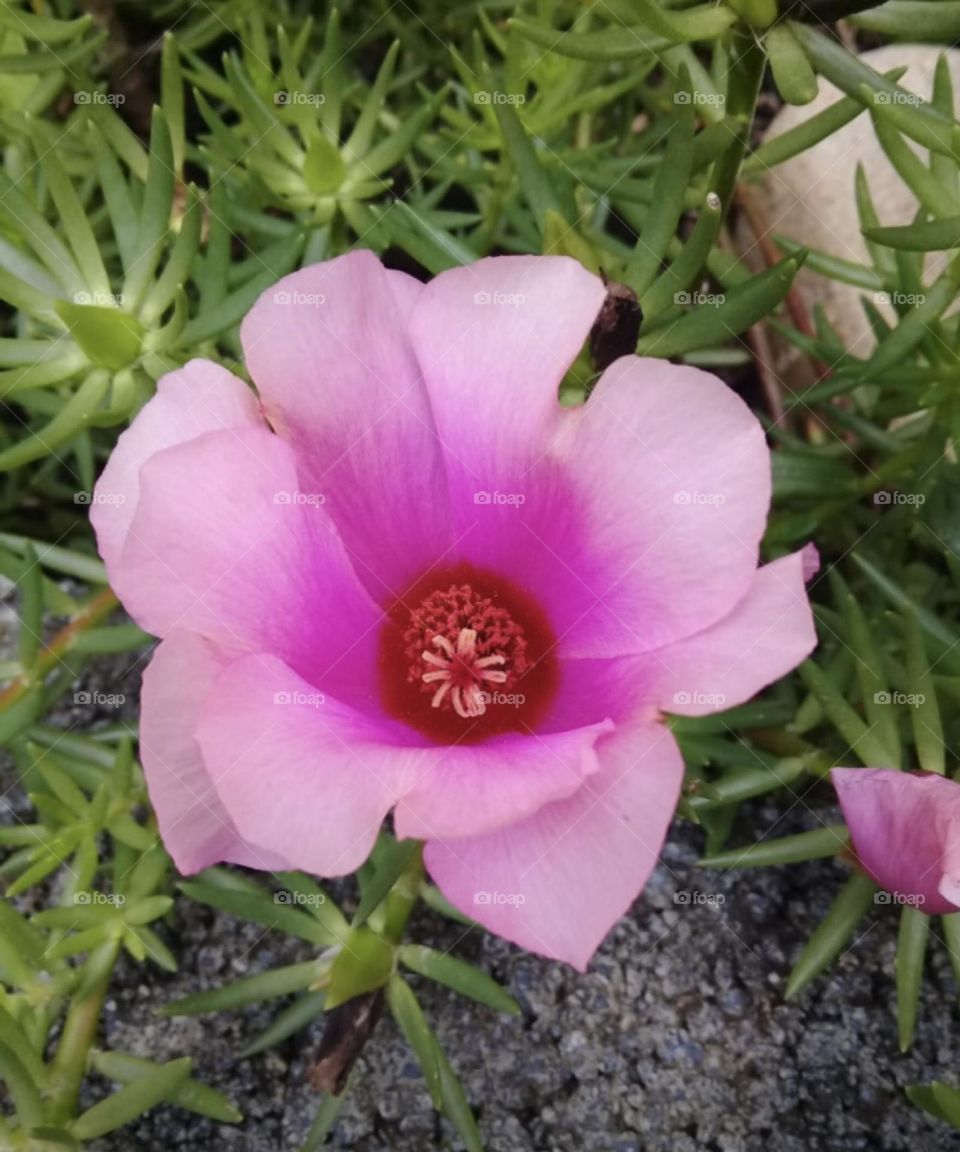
[
  {"x": 466, "y": 654},
  {"x": 460, "y": 645}
]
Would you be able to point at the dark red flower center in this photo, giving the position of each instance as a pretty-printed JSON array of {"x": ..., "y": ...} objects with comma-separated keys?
[{"x": 466, "y": 654}]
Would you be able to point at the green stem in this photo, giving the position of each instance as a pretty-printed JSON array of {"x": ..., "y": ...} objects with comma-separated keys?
[
  {"x": 745, "y": 77},
  {"x": 94, "y": 611},
  {"x": 79, "y": 1033},
  {"x": 402, "y": 899}
]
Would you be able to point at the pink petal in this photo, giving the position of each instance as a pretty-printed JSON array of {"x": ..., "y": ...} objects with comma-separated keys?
[
  {"x": 199, "y": 397},
  {"x": 194, "y": 824},
  {"x": 676, "y": 472},
  {"x": 494, "y": 340},
  {"x": 767, "y": 634},
  {"x": 469, "y": 790},
  {"x": 406, "y": 293},
  {"x": 623, "y": 689},
  {"x": 220, "y": 545},
  {"x": 299, "y": 772},
  {"x": 557, "y": 882},
  {"x": 329, "y": 352},
  {"x": 905, "y": 829},
  {"x": 811, "y": 561}
]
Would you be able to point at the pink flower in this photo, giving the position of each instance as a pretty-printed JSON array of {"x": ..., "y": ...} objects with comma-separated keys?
[
  {"x": 408, "y": 580},
  {"x": 905, "y": 829}
]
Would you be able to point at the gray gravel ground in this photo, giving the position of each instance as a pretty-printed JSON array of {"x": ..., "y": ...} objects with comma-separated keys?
[{"x": 677, "y": 1039}]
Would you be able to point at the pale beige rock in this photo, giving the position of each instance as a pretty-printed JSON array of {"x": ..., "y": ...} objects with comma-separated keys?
[{"x": 811, "y": 198}]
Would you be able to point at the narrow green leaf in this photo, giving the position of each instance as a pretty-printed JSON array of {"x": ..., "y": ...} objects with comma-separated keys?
[
  {"x": 70, "y": 563},
  {"x": 43, "y": 29},
  {"x": 935, "y": 197},
  {"x": 331, "y": 71},
  {"x": 435, "y": 899},
  {"x": 715, "y": 324},
  {"x": 944, "y": 168},
  {"x": 176, "y": 271},
  {"x": 171, "y": 99},
  {"x": 922, "y": 122},
  {"x": 123, "y": 140},
  {"x": 394, "y": 147},
  {"x": 87, "y": 940},
  {"x": 871, "y": 673},
  {"x": 251, "y": 989},
  {"x": 458, "y": 975},
  {"x": 612, "y": 44},
  {"x": 259, "y": 908},
  {"x": 154, "y": 219},
  {"x": 76, "y": 226},
  {"x": 119, "y": 638},
  {"x": 808, "y": 133},
  {"x": 666, "y": 208},
  {"x": 883, "y": 259},
  {"x": 951, "y": 935},
  {"x": 743, "y": 77},
  {"x": 456, "y": 1106},
  {"x": 61, "y": 783},
  {"x": 930, "y": 236},
  {"x": 126, "y": 1068},
  {"x": 229, "y": 311},
  {"x": 687, "y": 268},
  {"x": 945, "y": 640},
  {"x": 815, "y": 845},
  {"x": 795, "y": 79},
  {"x": 940, "y": 1100},
  {"x": 322, "y": 1126},
  {"x": 925, "y": 712},
  {"x": 833, "y": 934},
  {"x": 144, "y": 944},
  {"x": 386, "y": 865},
  {"x": 30, "y": 588},
  {"x": 918, "y": 21},
  {"x": 16, "y": 1040},
  {"x": 360, "y": 139},
  {"x": 74, "y": 416},
  {"x": 21, "y": 947},
  {"x": 834, "y": 267},
  {"x": 703, "y": 23},
  {"x": 433, "y": 246},
  {"x": 25, "y": 220},
  {"x": 42, "y": 63},
  {"x": 295, "y": 1017},
  {"x": 869, "y": 747},
  {"x": 133, "y": 1100},
  {"x": 911, "y": 951},
  {"x": 23, "y": 1091},
  {"x": 416, "y": 1031},
  {"x": 278, "y": 141},
  {"x": 745, "y": 783},
  {"x": 540, "y": 187},
  {"x": 911, "y": 331},
  {"x": 303, "y": 891}
]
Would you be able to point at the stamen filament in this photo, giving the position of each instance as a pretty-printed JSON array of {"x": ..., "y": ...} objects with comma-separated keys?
[
  {"x": 468, "y": 698},
  {"x": 444, "y": 643}
]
